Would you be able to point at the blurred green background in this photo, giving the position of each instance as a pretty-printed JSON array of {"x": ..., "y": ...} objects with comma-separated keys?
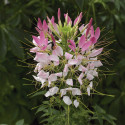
[{"x": 17, "y": 22}]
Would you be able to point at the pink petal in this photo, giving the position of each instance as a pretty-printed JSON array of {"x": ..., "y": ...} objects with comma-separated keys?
[
  {"x": 81, "y": 41},
  {"x": 54, "y": 58},
  {"x": 71, "y": 47},
  {"x": 56, "y": 63},
  {"x": 97, "y": 33},
  {"x": 72, "y": 61},
  {"x": 42, "y": 57},
  {"x": 45, "y": 26},
  {"x": 86, "y": 46},
  {"x": 82, "y": 68},
  {"x": 58, "y": 51},
  {"x": 80, "y": 78},
  {"x": 53, "y": 20},
  {"x": 68, "y": 19},
  {"x": 59, "y": 14},
  {"x": 53, "y": 39},
  {"x": 72, "y": 43},
  {"x": 68, "y": 55},
  {"x": 79, "y": 57},
  {"x": 96, "y": 52},
  {"x": 81, "y": 27},
  {"x": 43, "y": 74},
  {"x": 93, "y": 39},
  {"x": 34, "y": 50},
  {"x": 37, "y": 40},
  {"x": 78, "y": 19},
  {"x": 92, "y": 31},
  {"x": 59, "y": 74},
  {"x": 42, "y": 37},
  {"x": 39, "y": 24},
  {"x": 89, "y": 26},
  {"x": 66, "y": 68}
]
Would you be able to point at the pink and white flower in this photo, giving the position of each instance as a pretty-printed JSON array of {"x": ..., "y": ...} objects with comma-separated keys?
[{"x": 66, "y": 65}]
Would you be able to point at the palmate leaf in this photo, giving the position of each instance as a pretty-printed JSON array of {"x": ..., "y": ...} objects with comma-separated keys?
[{"x": 102, "y": 115}]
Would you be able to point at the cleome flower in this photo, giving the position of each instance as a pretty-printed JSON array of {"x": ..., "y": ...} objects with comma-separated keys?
[{"x": 66, "y": 64}]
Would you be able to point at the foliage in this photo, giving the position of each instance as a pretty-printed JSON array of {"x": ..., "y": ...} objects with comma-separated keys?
[{"x": 17, "y": 16}]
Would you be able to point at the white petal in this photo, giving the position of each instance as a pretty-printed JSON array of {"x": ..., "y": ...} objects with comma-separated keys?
[
  {"x": 43, "y": 74},
  {"x": 68, "y": 55},
  {"x": 72, "y": 61},
  {"x": 80, "y": 78},
  {"x": 65, "y": 74},
  {"x": 76, "y": 103},
  {"x": 59, "y": 74},
  {"x": 66, "y": 68},
  {"x": 52, "y": 91},
  {"x": 58, "y": 51},
  {"x": 88, "y": 90},
  {"x": 96, "y": 52},
  {"x": 49, "y": 46},
  {"x": 91, "y": 84},
  {"x": 76, "y": 91},
  {"x": 47, "y": 94},
  {"x": 67, "y": 100},
  {"x": 54, "y": 58},
  {"x": 52, "y": 77},
  {"x": 82, "y": 68},
  {"x": 97, "y": 63},
  {"x": 63, "y": 92},
  {"x": 56, "y": 63},
  {"x": 90, "y": 77},
  {"x": 39, "y": 79},
  {"x": 69, "y": 82},
  {"x": 42, "y": 57}
]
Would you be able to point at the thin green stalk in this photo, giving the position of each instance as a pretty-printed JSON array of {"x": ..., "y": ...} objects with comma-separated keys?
[
  {"x": 93, "y": 8},
  {"x": 68, "y": 114}
]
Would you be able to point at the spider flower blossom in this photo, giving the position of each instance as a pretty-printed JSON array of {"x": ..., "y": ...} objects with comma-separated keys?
[{"x": 66, "y": 64}]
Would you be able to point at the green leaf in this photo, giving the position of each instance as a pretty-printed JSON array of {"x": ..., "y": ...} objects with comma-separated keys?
[
  {"x": 3, "y": 46},
  {"x": 98, "y": 109},
  {"x": 41, "y": 108},
  {"x": 20, "y": 122},
  {"x": 109, "y": 118},
  {"x": 80, "y": 4},
  {"x": 16, "y": 46},
  {"x": 38, "y": 93},
  {"x": 117, "y": 4}
]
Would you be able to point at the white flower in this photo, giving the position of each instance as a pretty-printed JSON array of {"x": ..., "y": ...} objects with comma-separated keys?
[
  {"x": 67, "y": 100},
  {"x": 69, "y": 82},
  {"x": 63, "y": 92},
  {"x": 76, "y": 103},
  {"x": 89, "y": 87},
  {"x": 52, "y": 91}
]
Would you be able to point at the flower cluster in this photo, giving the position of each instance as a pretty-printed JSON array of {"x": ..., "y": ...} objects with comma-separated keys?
[{"x": 67, "y": 60}]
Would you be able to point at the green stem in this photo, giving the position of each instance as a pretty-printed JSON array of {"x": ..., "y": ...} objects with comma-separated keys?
[
  {"x": 93, "y": 8},
  {"x": 68, "y": 114}
]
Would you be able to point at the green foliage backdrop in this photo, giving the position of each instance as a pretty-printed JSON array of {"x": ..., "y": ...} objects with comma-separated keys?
[{"x": 17, "y": 22}]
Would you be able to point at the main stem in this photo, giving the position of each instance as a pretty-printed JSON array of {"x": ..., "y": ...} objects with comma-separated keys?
[{"x": 68, "y": 114}]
